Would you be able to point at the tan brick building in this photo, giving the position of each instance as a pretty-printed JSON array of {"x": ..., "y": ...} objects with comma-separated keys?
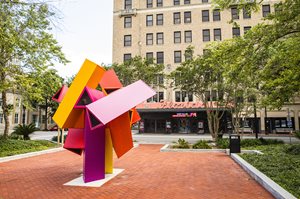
[
  {"x": 21, "y": 115},
  {"x": 163, "y": 29}
]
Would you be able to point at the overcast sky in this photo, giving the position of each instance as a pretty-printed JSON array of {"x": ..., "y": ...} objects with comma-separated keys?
[{"x": 85, "y": 31}]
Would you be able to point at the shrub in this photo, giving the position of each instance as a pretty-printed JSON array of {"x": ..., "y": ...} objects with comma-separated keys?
[
  {"x": 182, "y": 144},
  {"x": 201, "y": 144},
  {"x": 297, "y": 134},
  {"x": 222, "y": 143},
  {"x": 293, "y": 149},
  {"x": 25, "y": 130},
  {"x": 250, "y": 142},
  {"x": 270, "y": 141},
  {"x": 259, "y": 142},
  {"x": 54, "y": 138},
  {"x": 14, "y": 136},
  {"x": 12, "y": 147}
]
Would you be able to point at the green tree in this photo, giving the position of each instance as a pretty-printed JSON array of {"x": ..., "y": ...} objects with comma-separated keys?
[
  {"x": 203, "y": 76},
  {"x": 138, "y": 68},
  {"x": 48, "y": 82},
  {"x": 273, "y": 51},
  {"x": 26, "y": 47}
]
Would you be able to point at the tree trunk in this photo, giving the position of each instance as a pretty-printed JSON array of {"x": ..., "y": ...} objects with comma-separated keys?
[
  {"x": 210, "y": 124},
  {"x": 5, "y": 114}
]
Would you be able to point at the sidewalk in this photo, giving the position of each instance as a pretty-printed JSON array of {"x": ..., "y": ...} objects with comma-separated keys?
[{"x": 148, "y": 174}]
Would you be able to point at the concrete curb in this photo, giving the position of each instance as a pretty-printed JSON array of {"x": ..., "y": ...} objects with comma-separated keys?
[
  {"x": 276, "y": 190},
  {"x": 30, "y": 154},
  {"x": 166, "y": 148}
]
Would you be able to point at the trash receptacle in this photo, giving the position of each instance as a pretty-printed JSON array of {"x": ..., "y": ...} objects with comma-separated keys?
[{"x": 234, "y": 143}]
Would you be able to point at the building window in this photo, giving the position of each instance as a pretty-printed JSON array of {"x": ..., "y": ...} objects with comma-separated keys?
[
  {"x": 1, "y": 118},
  {"x": 149, "y": 3},
  {"x": 160, "y": 79},
  {"x": 188, "y": 36},
  {"x": 265, "y": 10},
  {"x": 16, "y": 118},
  {"x": 126, "y": 57},
  {"x": 204, "y": 1},
  {"x": 159, "y": 38},
  {"x": 176, "y": 18},
  {"x": 236, "y": 32},
  {"x": 177, "y": 37},
  {"x": 18, "y": 104},
  {"x": 160, "y": 96},
  {"x": 149, "y": 56},
  {"x": 176, "y": 2},
  {"x": 177, "y": 96},
  {"x": 159, "y": 19},
  {"x": 187, "y": 2},
  {"x": 128, "y": 4},
  {"x": 216, "y": 15},
  {"x": 211, "y": 95},
  {"x": 206, "y": 35},
  {"x": 159, "y": 3},
  {"x": 234, "y": 13},
  {"x": 149, "y": 20},
  {"x": 187, "y": 17},
  {"x": 160, "y": 57},
  {"x": 246, "y": 28},
  {"x": 217, "y": 34},
  {"x": 149, "y": 39},
  {"x": 205, "y": 15},
  {"x": 127, "y": 22},
  {"x": 246, "y": 14},
  {"x": 127, "y": 40},
  {"x": 183, "y": 96},
  {"x": 177, "y": 56}
]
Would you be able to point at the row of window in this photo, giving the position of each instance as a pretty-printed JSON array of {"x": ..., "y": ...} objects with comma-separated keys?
[
  {"x": 159, "y": 3},
  {"x": 160, "y": 58},
  {"x": 158, "y": 97},
  {"x": 180, "y": 96},
  {"x": 187, "y": 36},
  {"x": 187, "y": 16},
  {"x": 16, "y": 119},
  {"x": 184, "y": 96}
]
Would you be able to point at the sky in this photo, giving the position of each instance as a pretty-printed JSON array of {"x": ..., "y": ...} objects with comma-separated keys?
[{"x": 85, "y": 31}]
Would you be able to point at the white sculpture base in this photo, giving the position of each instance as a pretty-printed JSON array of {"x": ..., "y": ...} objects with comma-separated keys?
[{"x": 79, "y": 181}]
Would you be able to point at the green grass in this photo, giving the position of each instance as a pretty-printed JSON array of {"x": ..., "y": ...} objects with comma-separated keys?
[
  {"x": 10, "y": 147},
  {"x": 279, "y": 162}
]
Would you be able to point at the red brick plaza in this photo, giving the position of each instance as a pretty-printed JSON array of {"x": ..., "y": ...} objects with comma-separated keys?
[{"x": 148, "y": 173}]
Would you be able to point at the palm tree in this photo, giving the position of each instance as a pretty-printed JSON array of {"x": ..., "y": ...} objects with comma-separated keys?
[{"x": 25, "y": 130}]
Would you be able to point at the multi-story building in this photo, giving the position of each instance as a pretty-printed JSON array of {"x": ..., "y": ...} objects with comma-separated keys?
[
  {"x": 21, "y": 115},
  {"x": 163, "y": 29}
]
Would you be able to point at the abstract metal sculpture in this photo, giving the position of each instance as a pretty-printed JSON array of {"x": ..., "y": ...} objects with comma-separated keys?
[{"x": 99, "y": 121}]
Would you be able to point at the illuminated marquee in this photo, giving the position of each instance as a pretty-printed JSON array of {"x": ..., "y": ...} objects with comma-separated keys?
[{"x": 185, "y": 115}]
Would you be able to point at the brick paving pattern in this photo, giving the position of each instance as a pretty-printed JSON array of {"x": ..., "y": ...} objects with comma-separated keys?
[{"x": 148, "y": 174}]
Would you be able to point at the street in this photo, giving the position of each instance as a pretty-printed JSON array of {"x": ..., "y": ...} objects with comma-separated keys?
[{"x": 148, "y": 138}]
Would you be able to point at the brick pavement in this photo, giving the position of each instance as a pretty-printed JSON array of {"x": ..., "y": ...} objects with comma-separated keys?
[{"x": 148, "y": 174}]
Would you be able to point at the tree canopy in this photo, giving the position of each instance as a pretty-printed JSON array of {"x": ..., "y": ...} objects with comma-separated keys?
[
  {"x": 261, "y": 67},
  {"x": 26, "y": 47},
  {"x": 138, "y": 68}
]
